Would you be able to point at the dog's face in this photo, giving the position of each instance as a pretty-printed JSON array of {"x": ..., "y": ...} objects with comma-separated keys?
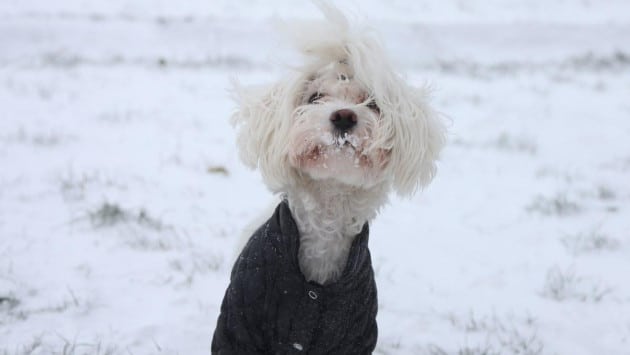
[
  {"x": 333, "y": 128},
  {"x": 345, "y": 115}
]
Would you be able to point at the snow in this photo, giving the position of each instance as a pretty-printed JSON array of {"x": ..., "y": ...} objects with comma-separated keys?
[{"x": 122, "y": 198}]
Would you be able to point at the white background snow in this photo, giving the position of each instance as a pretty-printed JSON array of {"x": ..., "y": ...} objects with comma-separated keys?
[{"x": 122, "y": 199}]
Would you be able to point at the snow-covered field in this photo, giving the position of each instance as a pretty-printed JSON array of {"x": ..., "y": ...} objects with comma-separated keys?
[{"x": 122, "y": 199}]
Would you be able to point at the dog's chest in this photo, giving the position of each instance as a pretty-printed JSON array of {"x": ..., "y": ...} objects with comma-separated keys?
[{"x": 323, "y": 256}]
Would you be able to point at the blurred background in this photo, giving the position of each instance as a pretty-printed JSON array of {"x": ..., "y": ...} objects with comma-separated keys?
[{"x": 122, "y": 198}]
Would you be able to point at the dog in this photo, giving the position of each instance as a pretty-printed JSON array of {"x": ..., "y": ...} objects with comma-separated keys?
[{"x": 334, "y": 137}]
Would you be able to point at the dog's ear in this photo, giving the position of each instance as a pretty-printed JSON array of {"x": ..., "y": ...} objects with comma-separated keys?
[
  {"x": 419, "y": 135},
  {"x": 262, "y": 130}
]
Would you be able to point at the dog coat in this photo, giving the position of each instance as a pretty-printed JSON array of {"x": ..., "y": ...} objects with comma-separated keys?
[{"x": 270, "y": 308}]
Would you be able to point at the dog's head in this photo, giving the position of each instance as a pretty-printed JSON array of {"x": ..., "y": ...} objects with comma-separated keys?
[{"x": 346, "y": 115}]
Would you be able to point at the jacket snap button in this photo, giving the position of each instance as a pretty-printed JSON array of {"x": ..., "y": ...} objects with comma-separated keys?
[{"x": 312, "y": 294}]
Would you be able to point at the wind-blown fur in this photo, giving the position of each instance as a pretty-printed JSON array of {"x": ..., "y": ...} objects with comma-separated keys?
[{"x": 335, "y": 182}]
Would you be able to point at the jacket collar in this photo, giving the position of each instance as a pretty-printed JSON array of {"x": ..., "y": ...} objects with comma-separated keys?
[{"x": 284, "y": 225}]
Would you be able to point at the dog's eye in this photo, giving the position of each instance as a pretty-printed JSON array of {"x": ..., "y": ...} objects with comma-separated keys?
[
  {"x": 316, "y": 96},
  {"x": 373, "y": 106}
]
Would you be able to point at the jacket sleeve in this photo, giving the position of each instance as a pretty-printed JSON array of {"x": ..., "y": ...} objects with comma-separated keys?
[{"x": 241, "y": 327}]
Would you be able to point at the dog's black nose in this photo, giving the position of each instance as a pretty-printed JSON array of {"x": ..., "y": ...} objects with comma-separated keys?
[{"x": 344, "y": 119}]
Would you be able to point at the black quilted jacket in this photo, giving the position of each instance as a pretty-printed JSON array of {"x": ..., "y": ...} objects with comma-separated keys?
[{"x": 269, "y": 308}]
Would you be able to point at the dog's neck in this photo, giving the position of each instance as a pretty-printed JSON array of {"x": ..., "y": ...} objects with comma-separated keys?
[{"x": 329, "y": 215}]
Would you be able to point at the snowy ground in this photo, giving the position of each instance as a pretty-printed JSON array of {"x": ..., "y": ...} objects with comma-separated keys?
[{"x": 121, "y": 197}]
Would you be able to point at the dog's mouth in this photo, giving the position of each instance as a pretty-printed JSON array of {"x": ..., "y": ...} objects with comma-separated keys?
[
  {"x": 342, "y": 157},
  {"x": 343, "y": 141},
  {"x": 337, "y": 143},
  {"x": 331, "y": 153},
  {"x": 346, "y": 140},
  {"x": 319, "y": 151},
  {"x": 335, "y": 159},
  {"x": 340, "y": 151}
]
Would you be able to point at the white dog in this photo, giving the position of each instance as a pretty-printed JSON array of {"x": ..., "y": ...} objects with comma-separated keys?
[{"x": 334, "y": 137}]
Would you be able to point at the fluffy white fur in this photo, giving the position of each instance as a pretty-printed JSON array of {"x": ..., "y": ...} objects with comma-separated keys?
[{"x": 336, "y": 181}]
